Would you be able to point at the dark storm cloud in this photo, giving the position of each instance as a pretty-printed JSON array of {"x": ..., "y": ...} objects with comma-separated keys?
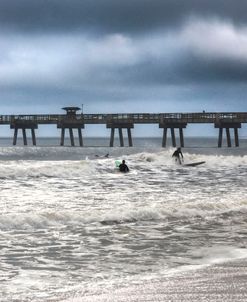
[
  {"x": 62, "y": 52},
  {"x": 112, "y": 15},
  {"x": 200, "y": 51},
  {"x": 224, "y": 71},
  {"x": 191, "y": 70}
]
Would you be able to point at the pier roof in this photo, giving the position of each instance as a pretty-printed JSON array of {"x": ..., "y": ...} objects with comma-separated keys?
[{"x": 71, "y": 109}]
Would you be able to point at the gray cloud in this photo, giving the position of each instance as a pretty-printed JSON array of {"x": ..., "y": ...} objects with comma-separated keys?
[
  {"x": 122, "y": 54},
  {"x": 112, "y": 16},
  {"x": 76, "y": 62}
]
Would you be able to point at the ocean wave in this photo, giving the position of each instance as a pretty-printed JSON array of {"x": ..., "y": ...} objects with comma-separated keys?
[
  {"x": 182, "y": 215},
  {"x": 212, "y": 160},
  {"x": 39, "y": 169},
  {"x": 143, "y": 161},
  {"x": 162, "y": 155}
]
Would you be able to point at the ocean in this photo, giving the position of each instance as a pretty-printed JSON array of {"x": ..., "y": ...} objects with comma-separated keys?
[{"x": 71, "y": 225}]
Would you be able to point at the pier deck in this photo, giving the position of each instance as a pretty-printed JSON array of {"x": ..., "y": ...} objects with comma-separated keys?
[
  {"x": 137, "y": 118},
  {"x": 168, "y": 121}
]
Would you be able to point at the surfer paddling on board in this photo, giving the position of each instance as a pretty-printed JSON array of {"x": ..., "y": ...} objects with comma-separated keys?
[
  {"x": 178, "y": 155},
  {"x": 123, "y": 167}
]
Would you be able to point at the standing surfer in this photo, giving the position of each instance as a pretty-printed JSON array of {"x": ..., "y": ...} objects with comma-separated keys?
[{"x": 178, "y": 155}]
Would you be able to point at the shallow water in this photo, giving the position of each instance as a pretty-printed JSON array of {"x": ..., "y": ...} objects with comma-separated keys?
[{"x": 70, "y": 222}]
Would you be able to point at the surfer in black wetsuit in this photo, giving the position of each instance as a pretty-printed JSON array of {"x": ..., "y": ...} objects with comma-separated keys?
[
  {"x": 106, "y": 156},
  {"x": 178, "y": 155},
  {"x": 123, "y": 167}
]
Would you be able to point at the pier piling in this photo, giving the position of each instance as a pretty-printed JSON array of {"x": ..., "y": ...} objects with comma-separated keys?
[
  {"x": 227, "y": 126},
  {"x": 24, "y": 125},
  {"x": 120, "y": 127},
  {"x": 172, "y": 127}
]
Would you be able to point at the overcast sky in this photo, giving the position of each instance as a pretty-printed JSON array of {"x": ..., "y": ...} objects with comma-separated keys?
[{"x": 123, "y": 55}]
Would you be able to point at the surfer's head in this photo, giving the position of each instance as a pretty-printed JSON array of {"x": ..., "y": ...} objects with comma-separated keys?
[{"x": 123, "y": 161}]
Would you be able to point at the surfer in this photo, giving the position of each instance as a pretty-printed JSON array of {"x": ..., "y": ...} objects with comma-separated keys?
[
  {"x": 123, "y": 167},
  {"x": 106, "y": 156},
  {"x": 178, "y": 155}
]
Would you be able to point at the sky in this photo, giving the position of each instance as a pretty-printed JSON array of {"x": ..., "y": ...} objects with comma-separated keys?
[{"x": 115, "y": 56}]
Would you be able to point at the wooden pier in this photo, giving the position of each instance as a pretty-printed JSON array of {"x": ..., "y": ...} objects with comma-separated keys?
[{"x": 175, "y": 122}]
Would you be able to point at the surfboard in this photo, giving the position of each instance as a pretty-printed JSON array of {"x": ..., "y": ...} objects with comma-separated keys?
[
  {"x": 194, "y": 164},
  {"x": 117, "y": 163}
]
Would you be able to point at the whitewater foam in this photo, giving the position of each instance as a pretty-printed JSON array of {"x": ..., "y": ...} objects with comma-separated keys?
[{"x": 68, "y": 214}]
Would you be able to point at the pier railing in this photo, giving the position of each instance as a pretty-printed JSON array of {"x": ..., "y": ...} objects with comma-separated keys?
[{"x": 138, "y": 118}]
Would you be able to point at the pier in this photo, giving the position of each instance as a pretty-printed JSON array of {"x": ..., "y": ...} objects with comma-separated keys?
[{"x": 228, "y": 124}]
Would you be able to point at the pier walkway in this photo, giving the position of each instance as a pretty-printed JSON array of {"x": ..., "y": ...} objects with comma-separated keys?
[{"x": 175, "y": 122}]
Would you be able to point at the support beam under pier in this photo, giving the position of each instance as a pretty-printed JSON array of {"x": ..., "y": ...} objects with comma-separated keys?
[
  {"x": 33, "y": 137},
  {"x": 112, "y": 137},
  {"x": 228, "y": 137},
  {"x": 15, "y": 136},
  {"x": 173, "y": 126},
  {"x": 71, "y": 136},
  {"x": 121, "y": 137},
  {"x": 228, "y": 127},
  {"x": 71, "y": 125},
  {"x": 164, "y": 137},
  {"x": 120, "y": 127},
  {"x": 62, "y": 137},
  {"x": 24, "y": 125},
  {"x": 173, "y": 137},
  {"x": 130, "y": 137},
  {"x": 220, "y": 137},
  {"x": 181, "y": 135},
  {"x": 236, "y": 137},
  {"x": 80, "y": 137},
  {"x": 24, "y": 136}
]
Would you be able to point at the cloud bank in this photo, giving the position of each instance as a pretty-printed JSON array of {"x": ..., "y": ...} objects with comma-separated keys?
[{"x": 123, "y": 55}]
